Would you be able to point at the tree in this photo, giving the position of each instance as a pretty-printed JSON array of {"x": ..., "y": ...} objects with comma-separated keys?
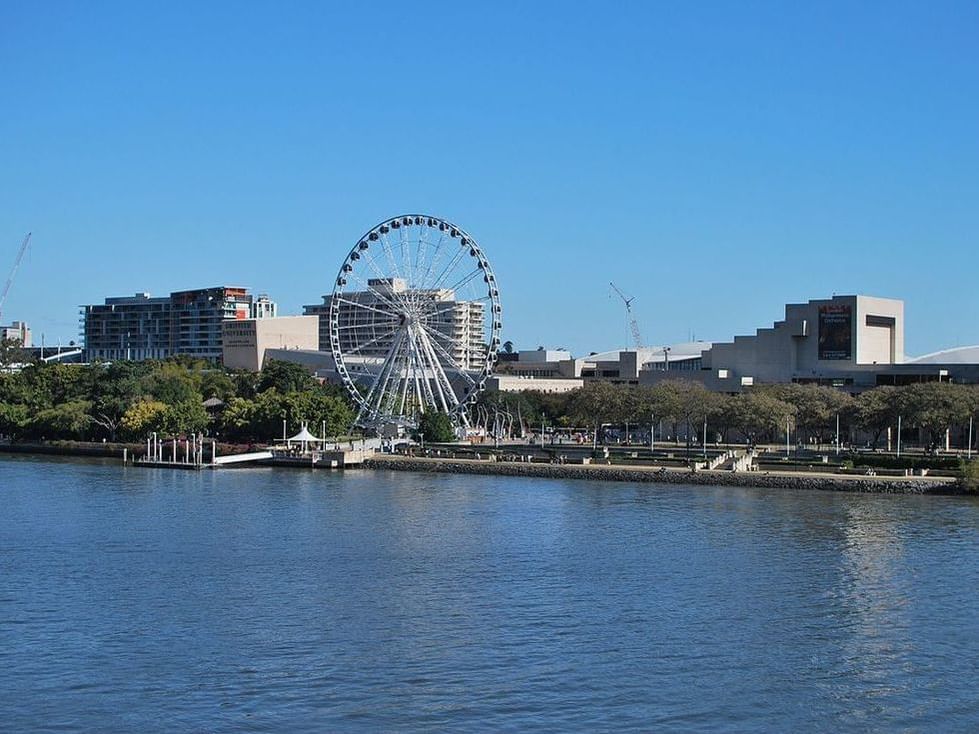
[
  {"x": 436, "y": 426},
  {"x": 14, "y": 419},
  {"x": 217, "y": 384},
  {"x": 816, "y": 406},
  {"x": 12, "y": 352},
  {"x": 876, "y": 410},
  {"x": 758, "y": 413},
  {"x": 186, "y": 417},
  {"x": 143, "y": 417},
  {"x": 285, "y": 377},
  {"x": 597, "y": 403},
  {"x": 171, "y": 383},
  {"x": 935, "y": 407},
  {"x": 318, "y": 408},
  {"x": 67, "y": 420}
]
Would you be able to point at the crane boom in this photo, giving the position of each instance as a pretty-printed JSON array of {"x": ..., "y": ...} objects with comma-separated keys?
[
  {"x": 633, "y": 325},
  {"x": 13, "y": 271}
]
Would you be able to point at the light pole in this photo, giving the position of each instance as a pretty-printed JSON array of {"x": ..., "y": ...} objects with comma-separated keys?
[
  {"x": 899, "y": 437},
  {"x": 969, "y": 450},
  {"x": 652, "y": 432},
  {"x": 542, "y": 430},
  {"x": 837, "y": 434},
  {"x": 666, "y": 359},
  {"x": 786, "y": 437}
]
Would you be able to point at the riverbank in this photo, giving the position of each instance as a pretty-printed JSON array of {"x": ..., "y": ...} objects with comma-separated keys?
[
  {"x": 606, "y": 473},
  {"x": 594, "y": 472}
]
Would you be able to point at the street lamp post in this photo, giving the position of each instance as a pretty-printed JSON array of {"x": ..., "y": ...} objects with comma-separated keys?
[
  {"x": 899, "y": 437},
  {"x": 542, "y": 430},
  {"x": 652, "y": 432},
  {"x": 969, "y": 450}
]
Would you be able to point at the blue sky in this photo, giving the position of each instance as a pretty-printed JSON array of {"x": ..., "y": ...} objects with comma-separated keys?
[{"x": 716, "y": 160}]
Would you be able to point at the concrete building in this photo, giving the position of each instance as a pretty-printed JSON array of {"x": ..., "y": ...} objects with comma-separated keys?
[
  {"x": 363, "y": 328},
  {"x": 185, "y": 322},
  {"x": 16, "y": 331},
  {"x": 246, "y": 342},
  {"x": 521, "y": 383},
  {"x": 127, "y": 327},
  {"x": 850, "y": 342}
]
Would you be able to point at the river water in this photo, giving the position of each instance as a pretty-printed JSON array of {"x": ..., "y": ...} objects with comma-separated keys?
[{"x": 289, "y": 601}]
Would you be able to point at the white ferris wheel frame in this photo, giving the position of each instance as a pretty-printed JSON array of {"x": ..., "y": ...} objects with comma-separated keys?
[{"x": 416, "y": 375}]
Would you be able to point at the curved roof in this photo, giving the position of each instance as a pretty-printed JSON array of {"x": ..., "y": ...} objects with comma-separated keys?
[
  {"x": 958, "y": 355},
  {"x": 684, "y": 350}
]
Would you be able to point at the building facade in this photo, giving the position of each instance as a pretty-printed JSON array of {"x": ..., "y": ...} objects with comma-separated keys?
[
  {"x": 246, "y": 342},
  {"x": 16, "y": 331},
  {"x": 185, "y": 322}
]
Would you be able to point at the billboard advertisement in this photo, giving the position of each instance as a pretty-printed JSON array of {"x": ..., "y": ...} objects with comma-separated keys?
[{"x": 835, "y": 332}]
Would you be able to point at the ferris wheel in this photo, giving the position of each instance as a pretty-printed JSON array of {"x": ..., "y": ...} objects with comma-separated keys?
[{"x": 415, "y": 321}]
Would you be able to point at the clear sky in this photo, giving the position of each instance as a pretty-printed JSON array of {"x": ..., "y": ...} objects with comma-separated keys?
[{"x": 714, "y": 160}]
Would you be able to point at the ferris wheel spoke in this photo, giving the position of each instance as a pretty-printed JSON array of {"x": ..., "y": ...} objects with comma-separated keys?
[
  {"x": 398, "y": 307},
  {"x": 453, "y": 263},
  {"x": 369, "y": 259},
  {"x": 421, "y": 249},
  {"x": 392, "y": 259},
  {"x": 369, "y": 400},
  {"x": 446, "y": 393},
  {"x": 423, "y": 385},
  {"x": 465, "y": 280},
  {"x": 384, "y": 396},
  {"x": 432, "y": 262},
  {"x": 406, "y": 256},
  {"x": 362, "y": 306},
  {"x": 368, "y": 325},
  {"x": 375, "y": 340},
  {"x": 446, "y": 356}
]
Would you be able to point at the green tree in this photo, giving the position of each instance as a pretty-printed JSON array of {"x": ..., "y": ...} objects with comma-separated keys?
[
  {"x": 217, "y": 384},
  {"x": 436, "y": 427},
  {"x": 142, "y": 418},
  {"x": 935, "y": 407},
  {"x": 285, "y": 377},
  {"x": 14, "y": 419},
  {"x": 758, "y": 414},
  {"x": 318, "y": 408},
  {"x": 876, "y": 410},
  {"x": 171, "y": 383},
  {"x": 67, "y": 420},
  {"x": 12, "y": 352},
  {"x": 184, "y": 418}
]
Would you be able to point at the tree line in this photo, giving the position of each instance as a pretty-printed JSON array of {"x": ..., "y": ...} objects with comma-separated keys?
[
  {"x": 128, "y": 400},
  {"x": 759, "y": 414}
]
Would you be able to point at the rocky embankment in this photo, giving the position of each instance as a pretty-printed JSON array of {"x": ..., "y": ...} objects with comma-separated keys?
[{"x": 876, "y": 485}]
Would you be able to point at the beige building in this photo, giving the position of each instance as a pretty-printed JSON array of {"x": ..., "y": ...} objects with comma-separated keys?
[
  {"x": 17, "y": 331},
  {"x": 245, "y": 341}
]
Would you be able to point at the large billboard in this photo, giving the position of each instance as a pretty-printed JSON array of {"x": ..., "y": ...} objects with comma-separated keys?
[{"x": 835, "y": 332}]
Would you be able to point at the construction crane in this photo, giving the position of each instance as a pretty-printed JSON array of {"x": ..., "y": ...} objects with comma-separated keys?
[
  {"x": 13, "y": 272},
  {"x": 627, "y": 300}
]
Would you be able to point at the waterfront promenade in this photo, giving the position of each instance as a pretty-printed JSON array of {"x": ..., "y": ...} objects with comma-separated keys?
[{"x": 664, "y": 475}]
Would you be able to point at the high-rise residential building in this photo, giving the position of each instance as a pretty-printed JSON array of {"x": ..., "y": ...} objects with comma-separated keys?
[
  {"x": 185, "y": 322},
  {"x": 16, "y": 331},
  {"x": 196, "y": 317},
  {"x": 364, "y": 328}
]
